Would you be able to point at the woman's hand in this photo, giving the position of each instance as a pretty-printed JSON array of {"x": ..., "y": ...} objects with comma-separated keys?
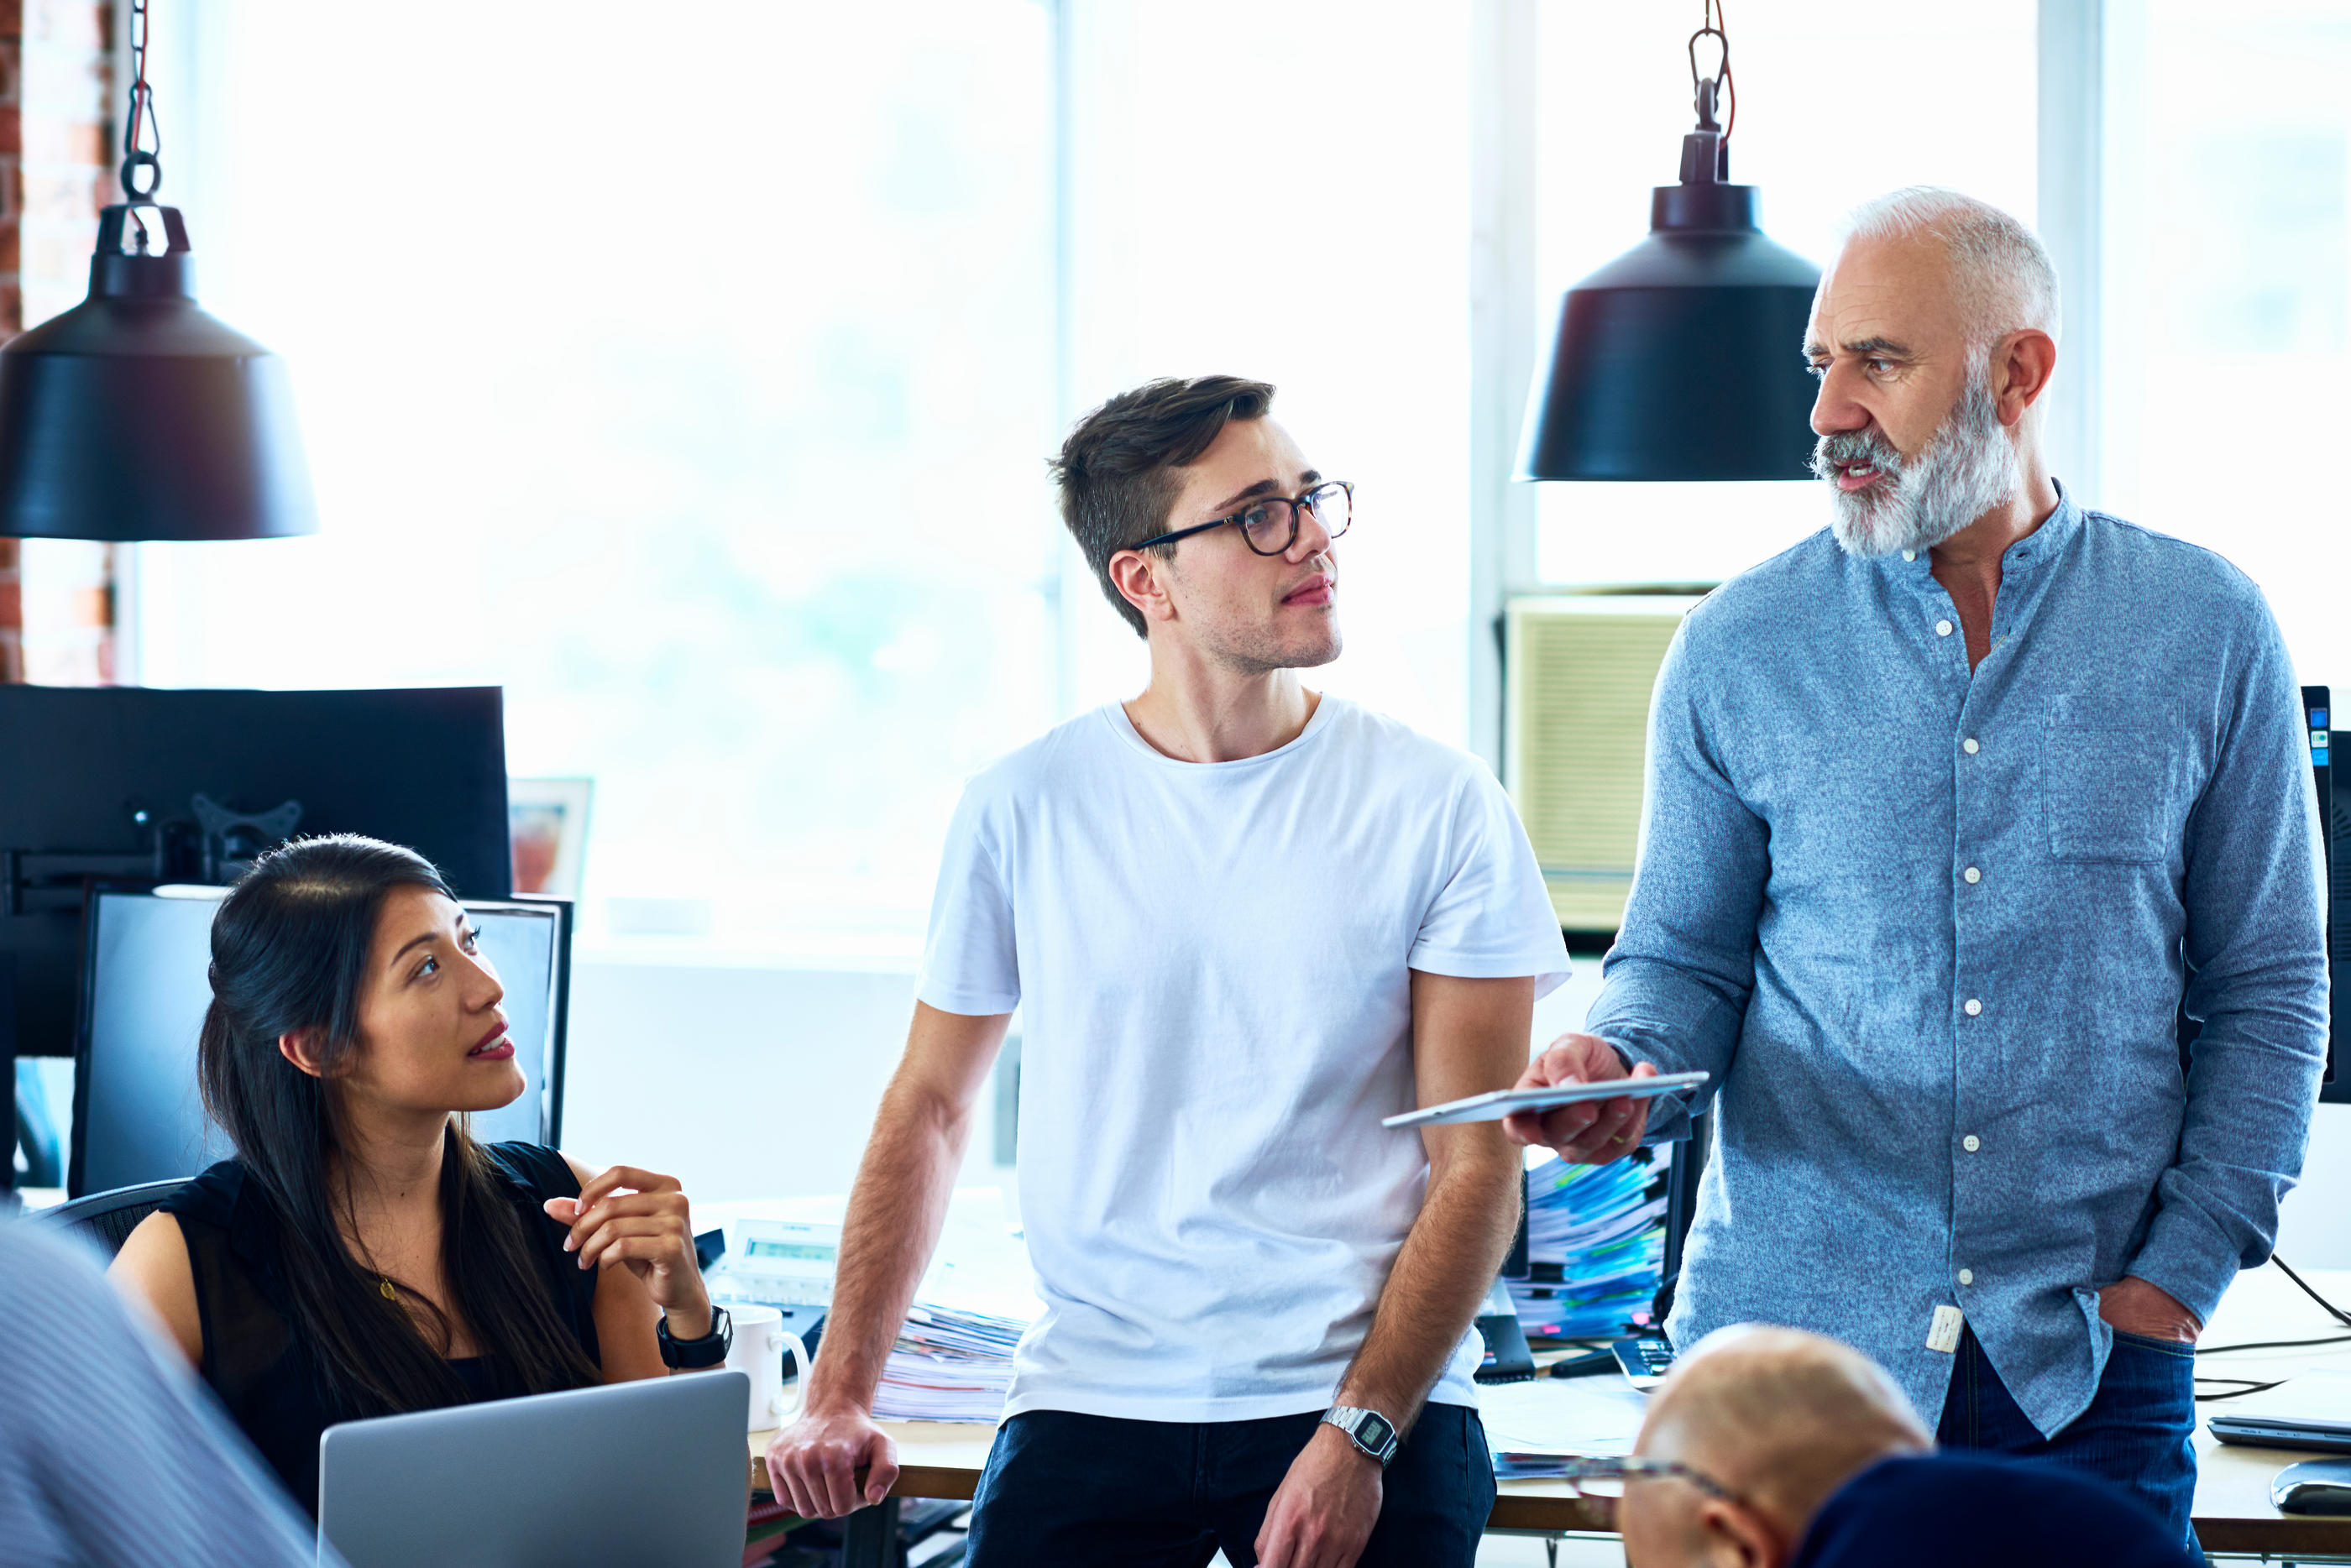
[{"x": 638, "y": 1220}]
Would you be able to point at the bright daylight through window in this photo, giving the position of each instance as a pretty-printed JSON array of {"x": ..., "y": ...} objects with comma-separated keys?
[
  {"x": 724, "y": 451},
  {"x": 2228, "y": 293},
  {"x": 695, "y": 385}
]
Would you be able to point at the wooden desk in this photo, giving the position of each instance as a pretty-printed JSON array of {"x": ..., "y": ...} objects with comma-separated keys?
[{"x": 2234, "y": 1515}]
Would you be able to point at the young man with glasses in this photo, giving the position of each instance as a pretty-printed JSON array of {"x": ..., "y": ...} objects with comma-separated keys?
[{"x": 1244, "y": 922}]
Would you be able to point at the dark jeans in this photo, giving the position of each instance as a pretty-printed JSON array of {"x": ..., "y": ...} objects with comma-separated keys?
[
  {"x": 2135, "y": 1435},
  {"x": 1077, "y": 1491}
]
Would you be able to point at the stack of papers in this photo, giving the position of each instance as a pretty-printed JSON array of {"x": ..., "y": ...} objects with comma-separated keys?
[
  {"x": 1536, "y": 1429},
  {"x": 950, "y": 1363},
  {"x": 1595, "y": 1247}
]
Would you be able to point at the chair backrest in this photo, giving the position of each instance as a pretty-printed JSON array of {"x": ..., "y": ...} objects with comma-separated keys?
[{"x": 105, "y": 1219}]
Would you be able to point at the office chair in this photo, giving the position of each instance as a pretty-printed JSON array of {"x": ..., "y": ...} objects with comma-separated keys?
[{"x": 105, "y": 1219}]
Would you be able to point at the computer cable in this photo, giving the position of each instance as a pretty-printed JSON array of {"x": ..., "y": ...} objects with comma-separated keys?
[{"x": 2238, "y": 1387}]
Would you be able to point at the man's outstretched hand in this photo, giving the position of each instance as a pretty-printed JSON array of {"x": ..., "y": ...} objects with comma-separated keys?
[{"x": 1593, "y": 1132}]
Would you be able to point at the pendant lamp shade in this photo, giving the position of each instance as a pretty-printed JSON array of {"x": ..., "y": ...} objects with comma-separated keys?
[
  {"x": 135, "y": 415},
  {"x": 1683, "y": 358}
]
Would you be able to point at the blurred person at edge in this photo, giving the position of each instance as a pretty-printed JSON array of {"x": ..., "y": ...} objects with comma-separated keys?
[
  {"x": 1951, "y": 808},
  {"x": 110, "y": 1455}
]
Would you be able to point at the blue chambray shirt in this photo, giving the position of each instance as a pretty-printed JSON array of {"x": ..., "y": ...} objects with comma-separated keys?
[{"x": 1927, "y": 929}]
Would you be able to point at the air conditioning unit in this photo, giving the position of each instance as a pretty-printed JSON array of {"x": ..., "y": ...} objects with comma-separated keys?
[{"x": 1578, "y": 671}]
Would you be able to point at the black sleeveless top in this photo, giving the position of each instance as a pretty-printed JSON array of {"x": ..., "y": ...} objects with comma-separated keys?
[{"x": 269, "y": 1380}]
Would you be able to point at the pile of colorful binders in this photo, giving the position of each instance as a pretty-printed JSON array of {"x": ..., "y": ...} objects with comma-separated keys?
[{"x": 1595, "y": 1247}]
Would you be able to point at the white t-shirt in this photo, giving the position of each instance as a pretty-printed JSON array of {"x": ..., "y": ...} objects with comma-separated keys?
[{"x": 1211, "y": 964}]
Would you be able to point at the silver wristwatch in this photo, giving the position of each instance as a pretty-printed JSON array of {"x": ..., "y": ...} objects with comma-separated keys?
[{"x": 1367, "y": 1429}]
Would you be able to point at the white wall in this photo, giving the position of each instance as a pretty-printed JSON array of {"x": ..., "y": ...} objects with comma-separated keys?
[
  {"x": 742, "y": 1081},
  {"x": 2315, "y": 1229}
]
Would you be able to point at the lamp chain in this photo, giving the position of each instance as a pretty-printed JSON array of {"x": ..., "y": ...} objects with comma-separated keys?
[
  {"x": 1717, "y": 91},
  {"x": 142, "y": 139}
]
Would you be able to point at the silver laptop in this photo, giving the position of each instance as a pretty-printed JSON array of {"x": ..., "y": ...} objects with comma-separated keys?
[{"x": 635, "y": 1473}]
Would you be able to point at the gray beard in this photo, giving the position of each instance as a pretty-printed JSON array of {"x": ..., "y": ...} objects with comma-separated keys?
[{"x": 1969, "y": 468}]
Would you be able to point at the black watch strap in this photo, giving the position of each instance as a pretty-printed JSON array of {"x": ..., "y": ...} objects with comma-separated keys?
[{"x": 695, "y": 1355}]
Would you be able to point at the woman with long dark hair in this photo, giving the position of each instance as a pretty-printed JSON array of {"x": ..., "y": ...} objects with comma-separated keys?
[{"x": 362, "y": 1254}]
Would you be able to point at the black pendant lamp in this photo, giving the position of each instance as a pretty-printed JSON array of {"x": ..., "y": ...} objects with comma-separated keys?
[
  {"x": 135, "y": 415},
  {"x": 1683, "y": 358}
]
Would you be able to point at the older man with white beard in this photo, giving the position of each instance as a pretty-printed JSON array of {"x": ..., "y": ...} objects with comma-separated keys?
[{"x": 1950, "y": 809}]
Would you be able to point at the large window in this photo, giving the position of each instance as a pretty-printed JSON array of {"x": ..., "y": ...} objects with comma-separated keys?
[
  {"x": 693, "y": 378},
  {"x": 2228, "y": 285},
  {"x": 1839, "y": 100},
  {"x": 686, "y": 371}
]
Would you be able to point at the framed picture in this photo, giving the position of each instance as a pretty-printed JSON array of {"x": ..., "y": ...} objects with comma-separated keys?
[{"x": 547, "y": 825}]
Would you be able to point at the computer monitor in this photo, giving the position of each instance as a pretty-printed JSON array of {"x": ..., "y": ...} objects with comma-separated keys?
[
  {"x": 2334, "y": 811},
  {"x": 138, "y": 1113},
  {"x": 133, "y": 783}
]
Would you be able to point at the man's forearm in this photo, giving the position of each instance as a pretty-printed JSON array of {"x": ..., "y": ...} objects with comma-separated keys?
[
  {"x": 1447, "y": 1263},
  {"x": 895, "y": 1214},
  {"x": 2241, "y": 1147}
]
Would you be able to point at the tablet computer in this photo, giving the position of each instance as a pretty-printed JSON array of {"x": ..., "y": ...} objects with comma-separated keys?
[{"x": 1501, "y": 1103}]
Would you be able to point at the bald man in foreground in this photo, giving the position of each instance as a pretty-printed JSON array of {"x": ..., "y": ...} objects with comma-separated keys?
[{"x": 1789, "y": 1450}]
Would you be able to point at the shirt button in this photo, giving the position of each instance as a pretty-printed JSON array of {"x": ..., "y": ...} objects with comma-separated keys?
[
  {"x": 1969, "y": 1143},
  {"x": 1942, "y": 629},
  {"x": 1909, "y": 554},
  {"x": 1973, "y": 1007},
  {"x": 1969, "y": 746},
  {"x": 1972, "y": 875},
  {"x": 1966, "y": 1276}
]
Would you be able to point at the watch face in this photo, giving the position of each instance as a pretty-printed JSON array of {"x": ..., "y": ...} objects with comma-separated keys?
[{"x": 1374, "y": 1431}]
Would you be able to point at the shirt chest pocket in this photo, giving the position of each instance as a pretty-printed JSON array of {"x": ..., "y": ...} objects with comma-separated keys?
[{"x": 2114, "y": 790}]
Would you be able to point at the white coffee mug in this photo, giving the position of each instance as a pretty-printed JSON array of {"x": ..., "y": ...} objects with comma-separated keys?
[{"x": 761, "y": 1341}]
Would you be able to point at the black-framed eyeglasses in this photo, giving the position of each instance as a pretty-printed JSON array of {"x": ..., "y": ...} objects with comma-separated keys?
[{"x": 1269, "y": 526}]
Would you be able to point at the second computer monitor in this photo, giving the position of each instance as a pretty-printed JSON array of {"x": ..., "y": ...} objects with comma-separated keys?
[{"x": 137, "y": 1113}]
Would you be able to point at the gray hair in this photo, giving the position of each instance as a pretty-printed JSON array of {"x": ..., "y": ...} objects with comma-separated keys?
[{"x": 2002, "y": 274}]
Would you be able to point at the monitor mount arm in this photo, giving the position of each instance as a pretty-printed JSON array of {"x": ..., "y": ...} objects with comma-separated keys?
[{"x": 215, "y": 849}]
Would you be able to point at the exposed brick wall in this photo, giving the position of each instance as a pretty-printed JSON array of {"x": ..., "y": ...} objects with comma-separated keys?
[
  {"x": 12, "y": 616},
  {"x": 64, "y": 146},
  {"x": 12, "y": 303},
  {"x": 56, "y": 133}
]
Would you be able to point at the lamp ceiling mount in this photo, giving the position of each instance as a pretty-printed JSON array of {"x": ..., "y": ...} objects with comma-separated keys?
[
  {"x": 135, "y": 415},
  {"x": 1679, "y": 361}
]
